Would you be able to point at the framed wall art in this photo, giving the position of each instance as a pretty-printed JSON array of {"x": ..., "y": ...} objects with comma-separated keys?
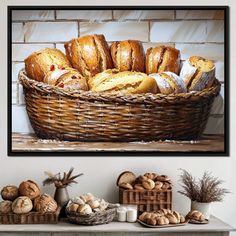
[{"x": 118, "y": 80}]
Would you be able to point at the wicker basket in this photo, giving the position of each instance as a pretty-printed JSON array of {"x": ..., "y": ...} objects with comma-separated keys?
[
  {"x": 31, "y": 218},
  {"x": 97, "y": 218},
  {"x": 56, "y": 113},
  {"x": 147, "y": 200}
]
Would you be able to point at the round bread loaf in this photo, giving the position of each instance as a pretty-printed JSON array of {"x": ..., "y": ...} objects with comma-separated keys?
[
  {"x": 162, "y": 220},
  {"x": 89, "y": 54},
  {"x": 72, "y": 80},
  {"x": 93, "y": 203},
  {"x": 45, "y": 203},
  {"x": 10, "y": 193},
  {"x": 128, "y": 55},
  {"x": 73, "y": 207},
  {"x": 198, "y": 73},
  {"x": 87, "y": 197},
  {"x": 168, "y": 83},
  {"x": 39, "y": 63},
  {"x": 5, "y": 207},
  {"x": 29, "y": 189},
  {"x": 84, "y": 209},
  {"x": 126, "y": 177},
  {"x": 22, "y": 205},
  {"x": 162, "y": 58},
  {"x": 148, "y": 184}
]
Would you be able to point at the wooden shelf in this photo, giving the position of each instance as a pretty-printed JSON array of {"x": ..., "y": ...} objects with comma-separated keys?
[{"x": 30, "y": 143}]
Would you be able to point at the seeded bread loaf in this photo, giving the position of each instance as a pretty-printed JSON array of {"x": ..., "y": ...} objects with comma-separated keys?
[
  {"x": 198, "y": 73},
  {"x": 162, "y": 58},
  {"x": 89, "y": 54},
  {"x": 127, "y": 82},
  {"x": 128, "y": 55},
  {"x": 39, "y": 63}
]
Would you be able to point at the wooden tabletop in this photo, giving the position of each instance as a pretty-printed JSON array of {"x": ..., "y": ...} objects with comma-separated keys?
[
  {"x": 30, "y": 143},
  {"x": 215, "y": 225}
]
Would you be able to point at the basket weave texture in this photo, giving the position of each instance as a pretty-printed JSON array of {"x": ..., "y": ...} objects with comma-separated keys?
[
  {"x": 147, "y": 200},
  {"x": 31, "y": 218},
  {"x": 97, "y": 218},
  {"x": 56, "y": 113}
]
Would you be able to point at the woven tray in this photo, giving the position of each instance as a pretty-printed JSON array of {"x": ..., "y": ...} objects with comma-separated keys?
[
  {"x": 56, "y": 113},
  {"x": 30, "y": 218},
  {"x": 97, "y": 218}
]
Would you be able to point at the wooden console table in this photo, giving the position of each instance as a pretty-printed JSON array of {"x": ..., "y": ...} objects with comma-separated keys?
[{"x": 216, "y": 227}]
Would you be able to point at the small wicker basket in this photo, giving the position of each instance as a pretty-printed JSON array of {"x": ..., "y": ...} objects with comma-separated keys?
[
  {"x": 31, "y": 218},
  {"x": 56, "y": 113},
  {"x": 97, "y": 218}
]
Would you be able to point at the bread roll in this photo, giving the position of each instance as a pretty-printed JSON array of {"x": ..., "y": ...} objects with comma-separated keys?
[
  {"x": 163, "y": 178},
  {"x": 30, "y": 189},
  {"x": 89, "y": 54},
  {"x": 5, "y": 207},
  {"x": 10, "y": 193},
  {"x": 45, "y": 203},
  {"x": 22, "y": 205},
  {"x": 162, "y": 220},
  {"x": 93, "y": 203},
  {"x": 77, "y": 200},
  {"x": 138, "y": 187},
  {"x": 158, "y": 185},
  {"x": 84, "y": 209},
  {"x": 73, "y": 207},
  {"x": 148, "y": 184},
  {"x": 151, "y": 176},
  {"x": 126, "y": 177},
  {"x": 128, "y": 55},
  {"x": 168, "y": 82},
  {"x": 198, "y": 73},
  {"x": 162, "y": 58},
  {"x": 87, "y": 197},
  {"x": 39, "y": 63},
  {"x": 195, "y": 215},
  {"x": 128, "y": 83},
  {"x": 172, "y": 218},
  {"x": 126, "y": 186},
  {"x": 151, "y": 221},
  {"x": 72, "y": 80}
]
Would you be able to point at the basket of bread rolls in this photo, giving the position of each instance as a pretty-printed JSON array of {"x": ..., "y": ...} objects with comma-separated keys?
[
  {"x": 26, "y": 204},
  {"x": 90, "y": 210},
  {"x": 150, "y": 192},
  {"x": 117, "y": 93}
]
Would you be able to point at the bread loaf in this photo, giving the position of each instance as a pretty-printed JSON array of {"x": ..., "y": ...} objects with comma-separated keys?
[
  {"x": 126, "y": 177},
  {"x": 195, "y": 215},
  {"x": 128, "y": 55},
  {"x": 128, "y": 83},
  {"x": 30, "y": 189},
  {"x": 168, "y": 83},
  {"x": 5, "y": 207},
  {"x": 87, "y": 197},
  {"x": 198, "y": 73},
  {"x": 162, "y": 58},
  {"x": 22, "y": 205},
  {"x": 10, "y": 193},
  {"x": 39, "y": 63},
  {"x": 148, "y": 184},
  {"x": 45, "y": 203},
  {"x": 84, "y": 209},
  {"x": 89, "y": 54}
]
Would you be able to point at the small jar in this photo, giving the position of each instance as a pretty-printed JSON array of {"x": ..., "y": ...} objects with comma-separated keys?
[
  {"x": 121, "y": 214},
  {"x": 131, "y": 215}
]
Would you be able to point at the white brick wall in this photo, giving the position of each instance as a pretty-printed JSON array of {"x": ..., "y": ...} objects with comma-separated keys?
[{"x": 192, "y": 32}]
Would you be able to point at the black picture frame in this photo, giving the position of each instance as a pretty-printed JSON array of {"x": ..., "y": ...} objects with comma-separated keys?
[{"x": 128, "y": 153}]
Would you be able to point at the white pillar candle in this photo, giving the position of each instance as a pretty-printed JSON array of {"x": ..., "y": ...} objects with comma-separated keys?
[
  {"x": 131, "y": 215},
  {"x": 121, "y": 214}
]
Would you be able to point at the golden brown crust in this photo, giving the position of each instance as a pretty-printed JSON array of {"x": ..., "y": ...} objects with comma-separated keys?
[
  {"x": 162, "y": 58},
  {"x": 39, "y": 63},
  {"x": 72, "y": 80},
  {"x": 128, "y": 83},
  {"x": 89, "y": 54},
  {"x": 10, "y": 192},
  {"x": 29, "y": 189},
  {"x": 45, "y": 203},
  {"x": 128, "y": 55}
]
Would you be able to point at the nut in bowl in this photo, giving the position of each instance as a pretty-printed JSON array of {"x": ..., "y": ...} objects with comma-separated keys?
[{"x": 90, "y": 210}]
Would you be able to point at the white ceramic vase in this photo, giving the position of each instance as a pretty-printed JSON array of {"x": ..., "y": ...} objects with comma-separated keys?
[{"x": 204, "y": 207}]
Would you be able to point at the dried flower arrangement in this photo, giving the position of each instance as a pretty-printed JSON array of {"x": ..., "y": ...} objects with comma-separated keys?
[
  {"x": 207, "y": 189},
  {"x": 61, "y": 182}
]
